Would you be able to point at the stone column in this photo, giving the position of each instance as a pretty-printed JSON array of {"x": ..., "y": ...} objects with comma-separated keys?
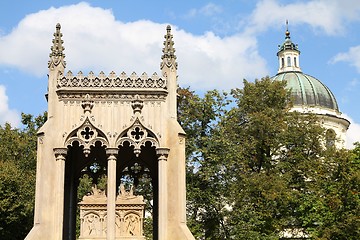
[
  {"x": 60, "y": 156},
  {"x": 111, "y": 193},
  {"x": 162, "y": 154}
]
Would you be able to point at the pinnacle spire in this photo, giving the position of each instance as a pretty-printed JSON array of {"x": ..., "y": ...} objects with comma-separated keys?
[
  {"x": 168, "y": 57},
  {"x": 57, "y": 49}
]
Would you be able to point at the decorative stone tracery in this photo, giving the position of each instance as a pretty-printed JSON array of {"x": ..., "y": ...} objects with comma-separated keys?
[
  {"x": 87, "y": 134},
  {"x": 137, "y": 135}
]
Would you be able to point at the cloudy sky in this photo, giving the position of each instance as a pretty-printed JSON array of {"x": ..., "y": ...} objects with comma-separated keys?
[{"x": 218, "y": 44}]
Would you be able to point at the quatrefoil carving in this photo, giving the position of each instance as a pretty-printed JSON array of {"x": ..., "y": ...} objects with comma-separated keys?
[
  {"x": 137, "y": 135},
  {"x": 87, "y": 134}
]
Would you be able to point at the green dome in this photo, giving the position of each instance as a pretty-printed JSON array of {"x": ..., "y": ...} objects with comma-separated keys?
[{"x": 307, "y": 90}]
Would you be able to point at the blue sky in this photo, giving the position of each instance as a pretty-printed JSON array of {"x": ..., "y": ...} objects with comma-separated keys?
[{"x": 218, "y": 44}]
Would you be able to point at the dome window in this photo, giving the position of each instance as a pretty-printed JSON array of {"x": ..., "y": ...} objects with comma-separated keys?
[
  {"x": 282, "y": 62},
  {"x": 288, "y": 61},
  {"x": 295, "y": 64},
  {"x": 330, "y": 137}
]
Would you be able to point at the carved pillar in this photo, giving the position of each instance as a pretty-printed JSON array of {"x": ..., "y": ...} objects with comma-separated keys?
[
  {"x": 162, "y": 154},
  {"x": 111, "y": 193},
  {"x": 60, "y": 156}
]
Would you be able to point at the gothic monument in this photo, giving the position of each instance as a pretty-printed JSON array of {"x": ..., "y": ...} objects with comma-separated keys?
[{"x": 111, "y": 123}]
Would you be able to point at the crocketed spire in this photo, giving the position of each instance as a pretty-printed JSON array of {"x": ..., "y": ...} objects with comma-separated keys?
[
  {"x": 168, "y": 57},
  {"x": 57, "y": 55}
]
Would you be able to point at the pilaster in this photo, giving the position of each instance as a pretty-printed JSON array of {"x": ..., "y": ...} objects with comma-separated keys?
[
  {"x": 111, "y": 193},
  {"x": 162, "y": 154},
  {"x": 60, "y": 156}
]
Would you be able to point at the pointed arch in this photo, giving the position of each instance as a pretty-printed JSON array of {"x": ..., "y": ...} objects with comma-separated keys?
[
  {"x": 137, "y": 135},
  {"x": 86, "y": 135}
]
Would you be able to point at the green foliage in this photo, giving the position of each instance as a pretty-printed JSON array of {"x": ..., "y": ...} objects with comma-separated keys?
[
  {"x": 17, "y": 177},
  {"x": 256, "y": 170},
  {"x": 148, "y": 227},
  {"x": 338, "y": 201},
  {"x": 199, "y": 117},
  {"x": 16, "y": 201}
]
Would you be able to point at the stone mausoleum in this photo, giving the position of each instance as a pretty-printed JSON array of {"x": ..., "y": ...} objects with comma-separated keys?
[{"x": 110, "y": 126}]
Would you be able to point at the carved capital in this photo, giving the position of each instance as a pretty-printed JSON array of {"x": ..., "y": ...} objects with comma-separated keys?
[
  {"x": 60, "y": 153},
  {"x": 162, "y": 153},
  {"x": 112, "y": 153}
]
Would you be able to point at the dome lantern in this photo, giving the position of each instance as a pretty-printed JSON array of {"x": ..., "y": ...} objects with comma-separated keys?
[{"x": 288, "y": 54}]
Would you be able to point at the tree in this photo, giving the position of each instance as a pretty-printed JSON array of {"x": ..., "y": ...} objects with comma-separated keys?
[
  {"x": 257, "y": 170},
  {"x": 17, "y": 177},
  {"x": 335, "y": 209},
  {"x": 199, "y": 118}
]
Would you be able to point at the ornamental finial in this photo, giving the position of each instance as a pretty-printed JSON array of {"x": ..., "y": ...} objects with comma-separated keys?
[
  {"x": 287, "y": 33},
  {"x": 168, "y": 57},
  {"x": 57, "y": 50}
]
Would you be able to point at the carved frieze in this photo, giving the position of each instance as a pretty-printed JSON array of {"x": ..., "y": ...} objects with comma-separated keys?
[{"x": 111, "y": 81}]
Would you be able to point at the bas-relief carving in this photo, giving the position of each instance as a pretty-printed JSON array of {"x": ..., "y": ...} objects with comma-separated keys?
[
  {"x": 132, "y": 223},
  {"x": 129, "y": 214},
  {"x": 92, "y": 225}
]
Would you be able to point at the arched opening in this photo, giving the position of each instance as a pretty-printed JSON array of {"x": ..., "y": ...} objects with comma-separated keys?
[
  {"x": 140, "y": 173},
  {"x": 330, "y": 138},
  {"x": 82, "y": 171},
  {"x": 288, "y": 62}
]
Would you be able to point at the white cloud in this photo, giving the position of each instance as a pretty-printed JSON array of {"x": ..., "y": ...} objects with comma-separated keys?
[
  {"x": 6, "y": 114},
  {"x": 353, "y": 133},
  {"x": 95, "y": 40},
  {"x": 352, "y": 56},
  {"x": 329, "y": 16},
  {"x": 208, "y": 10}
]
